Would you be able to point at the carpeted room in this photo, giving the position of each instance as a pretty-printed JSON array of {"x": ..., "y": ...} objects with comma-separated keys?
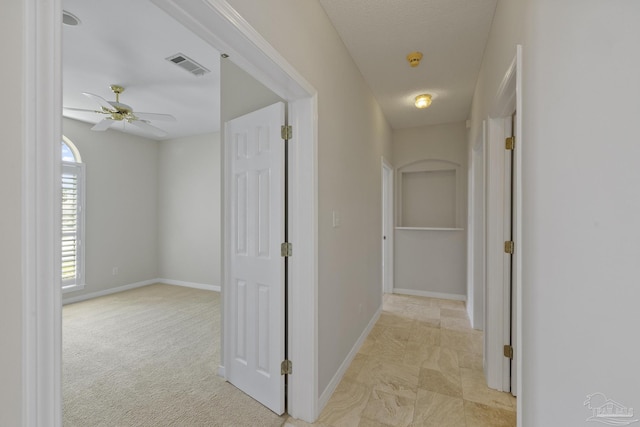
[
  {"x": 151, "y": 215},
  {"x": 149, "y": 357}
]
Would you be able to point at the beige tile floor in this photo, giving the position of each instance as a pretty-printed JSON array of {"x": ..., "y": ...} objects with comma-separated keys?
[{"x": 421, "y": 365}]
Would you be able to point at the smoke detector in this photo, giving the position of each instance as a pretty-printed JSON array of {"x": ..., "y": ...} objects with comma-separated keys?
[{"x": 414, "y": 58}]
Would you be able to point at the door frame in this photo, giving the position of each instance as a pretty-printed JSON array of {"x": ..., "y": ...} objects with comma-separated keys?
[
  {"x": 497, "y": 302},
  {"x": 476, "y": 234},
  {"x": 388, "y": 228},
  {"x": 42, "y": 307}
]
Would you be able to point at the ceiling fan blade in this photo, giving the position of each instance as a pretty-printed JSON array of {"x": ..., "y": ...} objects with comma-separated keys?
[
  {"x": 149, "y": 128},
  {"x": 103, "y": 125},
  {"x": 100, "y": 100},
  {"x": 155, "y": 116},
  {"x": 83, "y": 110}
]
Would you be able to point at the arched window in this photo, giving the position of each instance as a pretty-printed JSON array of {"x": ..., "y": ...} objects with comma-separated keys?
[{"x": 73, "y": 180}]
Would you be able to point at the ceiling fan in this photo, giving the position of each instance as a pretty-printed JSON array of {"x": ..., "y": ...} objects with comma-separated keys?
[{"x": 119, "y": 112}]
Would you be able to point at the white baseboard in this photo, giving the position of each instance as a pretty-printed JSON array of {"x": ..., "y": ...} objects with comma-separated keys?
[
  {"x": 108, "y": 291},
  {"x": 326, "y": 394},
  {"x": 104, "y": 292},
  {"x": 429, "y": 294},
  {"x": 215, "y": 288},
  {"x": 221, "y": 372}
]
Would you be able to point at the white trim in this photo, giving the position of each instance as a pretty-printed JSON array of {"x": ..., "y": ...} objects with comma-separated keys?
[
  {"x": 517, "y": 265},
  {"x": 476, "y": 236},
  {"x": 388, "y": 226},
  {"x": 495, "y": 362},
  {"x": 429, "y": 294},
  {"x": 335, "y": 381},
  {"x": 72, "y": 288},
  {"x": 303, "y": 266},
  {"x": 73, "y": 148},
  {"x": 221, "y": 372},
  {"x": 109, "y": 291},
  {"x": 251, "y": 52},
  {"x": 41, "y": 299},
  {"x": 206, "y": 287},
  {"x": 212, "y": 288},
  {"x": 429, "y": 229},
  {"x": 497, "y": 320}
]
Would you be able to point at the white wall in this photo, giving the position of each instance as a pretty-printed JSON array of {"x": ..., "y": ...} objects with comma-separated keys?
[
  {"x": 121, "y": 206},
  {"x": 153, "y": 208},
  {"x": 580, "y": 204},
  {"x": 581, "y": 208},
  {"x": 189, "y": 209},
  {"x": 241, "y": 93},
  {"x": 353, "y": 134},
  {"x": 432, "y": 262},
  {"x": 11, "y": 169}
]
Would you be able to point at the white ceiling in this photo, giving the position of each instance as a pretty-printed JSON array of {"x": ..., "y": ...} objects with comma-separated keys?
[
  {"x": 451, "y": 34},
  {"x": 126, "y": 42}
]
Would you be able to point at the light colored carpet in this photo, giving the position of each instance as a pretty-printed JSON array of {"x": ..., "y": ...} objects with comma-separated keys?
[{"x": 148, "y": 357}]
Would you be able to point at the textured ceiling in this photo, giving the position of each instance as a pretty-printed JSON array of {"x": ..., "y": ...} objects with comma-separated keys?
[
  {"x": 450, "y": 33},
  {"x": 126, "y": 42}
]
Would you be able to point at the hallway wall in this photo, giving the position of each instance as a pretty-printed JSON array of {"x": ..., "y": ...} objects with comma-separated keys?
[
  {"x": 432, "y": 262},
  {"x": 579, "y": 198},
  {"x": 580, "y": 208}
]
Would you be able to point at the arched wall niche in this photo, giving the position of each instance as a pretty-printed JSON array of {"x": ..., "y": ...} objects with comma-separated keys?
[{"x": 430, "y": 194}]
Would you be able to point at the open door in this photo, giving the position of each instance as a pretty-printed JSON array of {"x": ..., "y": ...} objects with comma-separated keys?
[
  {"x": 514, "y": 267},
  {"x": 510, "y": 237},
  {"x": 254, "y": 292}
]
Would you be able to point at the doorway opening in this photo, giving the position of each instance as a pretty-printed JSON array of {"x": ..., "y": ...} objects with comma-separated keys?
[
  {"x": 503, "y": 350},
  {"x": 42, "y": 332},
  {"x": 387, "y": 227}
]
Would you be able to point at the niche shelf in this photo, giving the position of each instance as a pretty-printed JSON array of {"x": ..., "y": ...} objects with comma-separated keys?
[{"x": 429, "y": 195}]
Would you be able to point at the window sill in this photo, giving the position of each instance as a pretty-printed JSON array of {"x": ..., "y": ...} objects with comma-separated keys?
[
  {"x": 430, "y": 228},
  {"x": 72, "y": 288}
]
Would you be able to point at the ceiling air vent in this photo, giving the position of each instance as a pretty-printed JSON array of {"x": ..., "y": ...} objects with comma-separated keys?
[{"x": 188, "y": 64}]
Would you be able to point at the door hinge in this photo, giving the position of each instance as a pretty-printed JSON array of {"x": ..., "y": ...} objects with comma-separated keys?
[
  {"x": 286, "y": 249},
  {"x": 286, "y": 132},
  {"x": 508, "y": 351},
  {"x": 508, "y": 247},
  {"x": 510, "y": 143},
  {"x": 286, "y": 367}
]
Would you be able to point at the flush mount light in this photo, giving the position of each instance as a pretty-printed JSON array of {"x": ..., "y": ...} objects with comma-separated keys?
[
  {"x": 423, "y": 101},
  {"x": 69, "y": 19}
]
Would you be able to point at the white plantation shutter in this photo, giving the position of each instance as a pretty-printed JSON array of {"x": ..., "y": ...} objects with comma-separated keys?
[{"x": 72, "y": 224}]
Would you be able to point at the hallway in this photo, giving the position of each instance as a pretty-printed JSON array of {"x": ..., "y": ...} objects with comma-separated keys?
[{"x": 421, "y": 365}]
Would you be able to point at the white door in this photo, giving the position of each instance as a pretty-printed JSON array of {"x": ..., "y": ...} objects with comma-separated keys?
[
  {"x": 254, "y": 280},
  {"x": 508, "y": 262},
  {"x": 514, "y": 266}
]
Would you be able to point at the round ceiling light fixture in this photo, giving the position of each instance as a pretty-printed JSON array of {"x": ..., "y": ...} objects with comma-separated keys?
[
  {"x": 70, "y": 19},
  {"x": 423, "y": 101}
]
